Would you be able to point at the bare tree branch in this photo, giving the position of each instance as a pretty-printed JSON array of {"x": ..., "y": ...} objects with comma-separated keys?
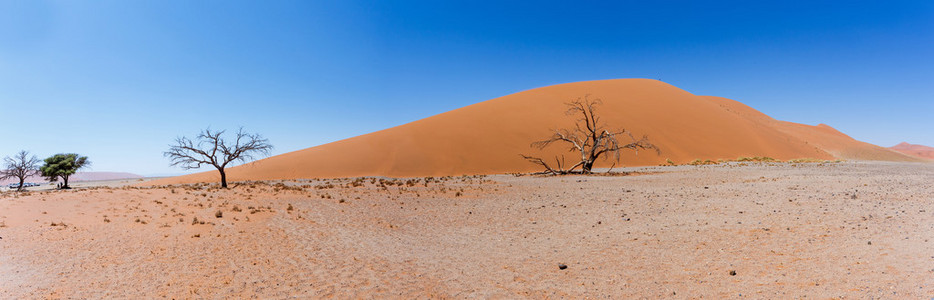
[
  {"x": 20, "y": 166},
  {"x": 212, "y": 149},
  {"x": 589, "y": 137}
]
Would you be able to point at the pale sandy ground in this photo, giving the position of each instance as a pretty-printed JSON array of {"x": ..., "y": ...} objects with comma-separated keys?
[
  {"x": 47, "y": 186},
  {"x": 845, "y": 230},
  {"x": 77, "y": 177}
]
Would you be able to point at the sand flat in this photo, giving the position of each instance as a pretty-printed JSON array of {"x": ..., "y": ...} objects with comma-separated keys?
[{"x": 851, "y": 229}]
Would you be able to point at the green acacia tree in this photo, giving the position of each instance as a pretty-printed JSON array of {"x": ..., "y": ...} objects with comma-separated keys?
[{"x": 63, "y": 165}]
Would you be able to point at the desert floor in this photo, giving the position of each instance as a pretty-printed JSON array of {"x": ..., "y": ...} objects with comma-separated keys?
[
  {"x": 850, "y": 230},
  {"x": 50, "y": 186}
]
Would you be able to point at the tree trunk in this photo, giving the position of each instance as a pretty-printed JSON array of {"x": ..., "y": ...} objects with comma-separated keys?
[
  {"x": 223, "y": 177},
  {"x": 586, "y": 167},
  {"x": 21, "y": 180},
  {"x": 65, "y": 180}
]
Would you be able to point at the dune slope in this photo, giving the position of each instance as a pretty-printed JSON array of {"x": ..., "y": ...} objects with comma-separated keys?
[
  {"x": 822, "y": 136},
  {"x": 915, "y": 150},
  {"x": 487, "y": 137}
]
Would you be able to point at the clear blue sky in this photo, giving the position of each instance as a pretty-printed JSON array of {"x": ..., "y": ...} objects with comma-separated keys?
[{"x": 119, "y": 80}]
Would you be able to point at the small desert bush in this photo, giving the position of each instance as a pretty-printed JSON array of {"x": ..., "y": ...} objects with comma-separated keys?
[
  {"x": 804, "y": 160},
  {"x": 325, "y": 186},
  {"x": 756, "y": 159},
  {"x": 283, "y": 187},
  {"x": 698, "y": 162},
  {"x": 814, "y": 160}
]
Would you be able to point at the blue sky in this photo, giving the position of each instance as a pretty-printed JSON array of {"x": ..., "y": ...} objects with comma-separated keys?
[{"x": 119, "y": 80}]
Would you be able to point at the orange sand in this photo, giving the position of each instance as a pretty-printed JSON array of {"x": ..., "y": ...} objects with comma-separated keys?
[
  {"x": 487, "y": 137},
  {"x": 850, "y": 230}
]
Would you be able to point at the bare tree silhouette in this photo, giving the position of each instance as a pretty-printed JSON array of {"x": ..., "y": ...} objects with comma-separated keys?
[
  {"x": 20, "y": 166},
  {"x": 209, "y": 148},
  {"x": 590, "y": 137}
]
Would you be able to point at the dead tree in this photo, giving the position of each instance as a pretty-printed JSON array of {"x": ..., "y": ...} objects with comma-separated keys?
[
  {"x": 20, "y": 166},
  {"x": 211, "y": 149},
  {"x": 590, "y": 137}
]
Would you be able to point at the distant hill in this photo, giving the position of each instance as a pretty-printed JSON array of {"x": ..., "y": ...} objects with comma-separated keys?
[
  {"x": 81, "y": 176},
  {"x": 915, "y": 150},
  {"x": 487, "y": 137}
]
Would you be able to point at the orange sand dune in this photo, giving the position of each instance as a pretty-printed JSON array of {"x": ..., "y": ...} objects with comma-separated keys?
[
  {"x": 824, "y": 137},
  {"x": 915, "y": 150},
  {"x": 487, "y": 137}
]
